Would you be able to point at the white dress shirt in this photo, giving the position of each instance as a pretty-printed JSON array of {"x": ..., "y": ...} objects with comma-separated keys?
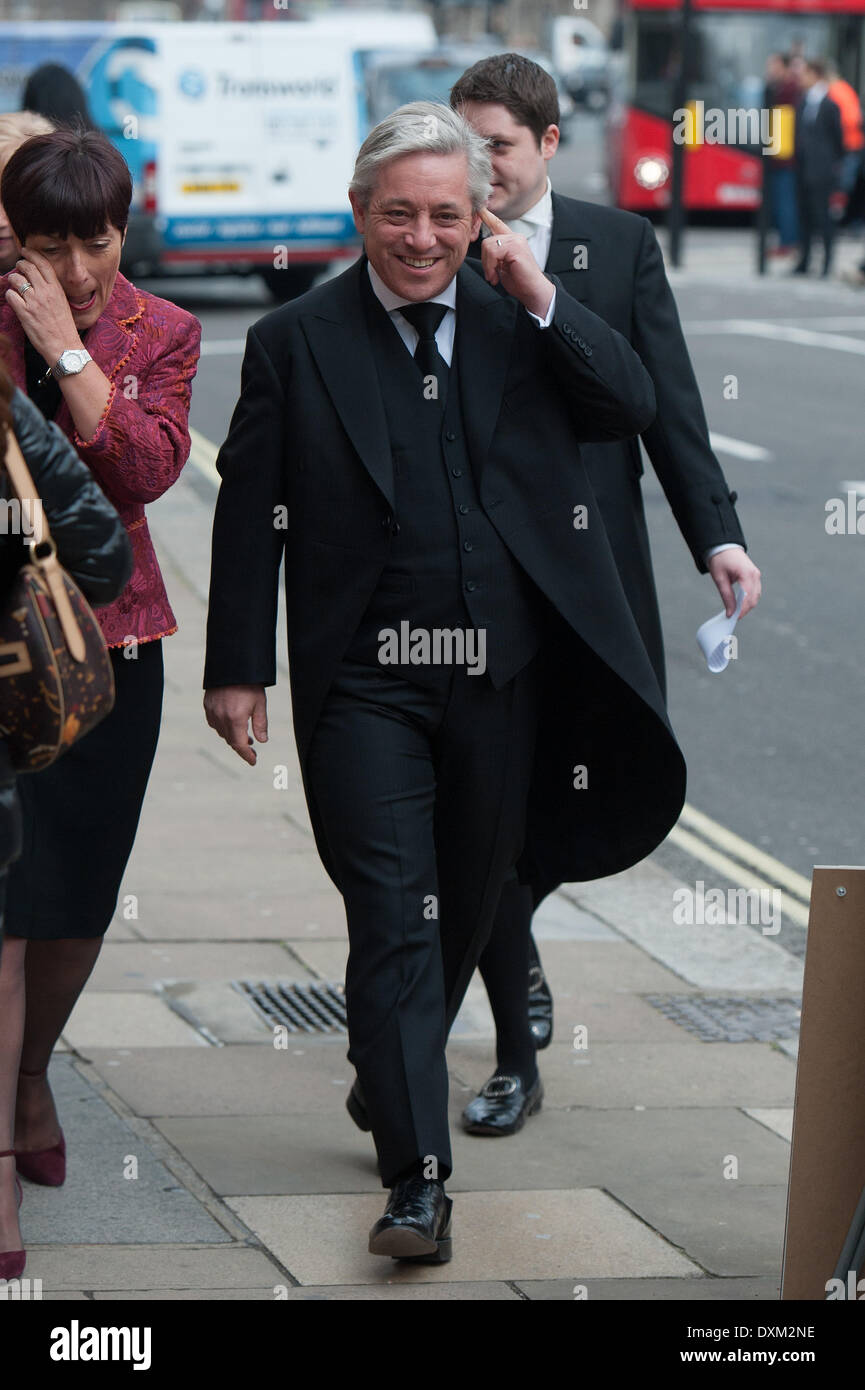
[{"x": 447, "y": 328}]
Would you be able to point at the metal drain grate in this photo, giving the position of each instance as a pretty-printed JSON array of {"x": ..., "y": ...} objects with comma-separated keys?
[
  {"x": 732, "y": 1018},
  {"x": 314, "y": 1008}
]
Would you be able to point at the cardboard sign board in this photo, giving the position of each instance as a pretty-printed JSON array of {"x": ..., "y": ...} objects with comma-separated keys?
[{"x": 827, "y": 1163}]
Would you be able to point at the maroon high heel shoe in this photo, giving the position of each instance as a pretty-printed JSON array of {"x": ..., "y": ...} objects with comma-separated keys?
[
  {"x": 47, "y": 1167},
  {"x": 12, "y": 1262}
]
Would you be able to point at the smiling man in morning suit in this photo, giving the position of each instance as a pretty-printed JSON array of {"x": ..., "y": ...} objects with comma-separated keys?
[
  {"x": 611, "y": 263},
  {"x": 418, "y": 429}
]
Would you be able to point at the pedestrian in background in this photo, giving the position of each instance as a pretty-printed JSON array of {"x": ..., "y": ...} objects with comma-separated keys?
[
  {"x": 15, "y": 128},
  {"x": 54, "y": 92},
  {"x": 92, "y": 545},
  {"x": 846, "y": 98},
  {"x": 782, "y": 89},
  {"x": 818, "y": 156},
  {"x": 611, "y": 262},
  {"x": 113, "y": 366}
]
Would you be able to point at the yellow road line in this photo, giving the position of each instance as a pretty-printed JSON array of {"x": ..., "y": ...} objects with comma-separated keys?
[
  {"x": 718, "y": 836},
  {"x": 700, "y": 850}
]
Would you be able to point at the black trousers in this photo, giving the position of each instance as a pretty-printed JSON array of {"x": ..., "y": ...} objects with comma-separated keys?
[
  {"x": 421, "y": 793},
  {"x": 815, "y": 220}
]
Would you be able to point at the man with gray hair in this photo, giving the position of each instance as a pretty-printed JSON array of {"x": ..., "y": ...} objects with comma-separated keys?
[{"x": 403, "y": 438}]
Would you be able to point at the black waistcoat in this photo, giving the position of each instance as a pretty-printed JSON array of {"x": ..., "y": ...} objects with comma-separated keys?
[{"x": 448, "y": 567}]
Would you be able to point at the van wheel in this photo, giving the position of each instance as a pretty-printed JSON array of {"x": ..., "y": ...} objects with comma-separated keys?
[{"x": 289, "y": 283}]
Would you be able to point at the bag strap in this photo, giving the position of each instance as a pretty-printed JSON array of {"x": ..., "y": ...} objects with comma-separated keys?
[{"x": 48, "y": 565}]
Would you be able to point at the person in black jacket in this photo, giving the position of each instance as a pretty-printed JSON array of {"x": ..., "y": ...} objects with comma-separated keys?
[
  {"x": 92, "y": 545},
  {"x": 611, "y": 263},
  {"x": 407, "y": 438},
  {"x": 819, "y": 149}
]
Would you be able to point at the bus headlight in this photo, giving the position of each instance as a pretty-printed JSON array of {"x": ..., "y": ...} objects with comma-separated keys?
[{"x": 652, "y": 171}]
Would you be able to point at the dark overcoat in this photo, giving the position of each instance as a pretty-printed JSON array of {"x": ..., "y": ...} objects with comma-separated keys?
[{"x": 307, "y": 473}]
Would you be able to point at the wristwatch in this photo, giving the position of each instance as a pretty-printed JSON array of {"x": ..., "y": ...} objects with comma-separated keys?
[{"x": 71, "y": 362}]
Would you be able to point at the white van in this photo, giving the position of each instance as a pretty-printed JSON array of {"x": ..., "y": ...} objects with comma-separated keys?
[{"x": 241, "y": 138}]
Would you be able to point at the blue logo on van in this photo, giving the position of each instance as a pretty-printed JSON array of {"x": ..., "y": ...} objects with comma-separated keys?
[{"x": 192, "y": 82}]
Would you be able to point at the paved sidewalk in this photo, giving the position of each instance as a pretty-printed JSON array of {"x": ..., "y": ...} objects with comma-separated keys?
[{"x": 207, "y": 1163}]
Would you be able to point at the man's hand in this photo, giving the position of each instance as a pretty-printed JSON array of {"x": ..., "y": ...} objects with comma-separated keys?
[
  {"x": 507, "y": 260},
  {"x": 731, "y": 567},
  {"x": 229, "y": 708}
]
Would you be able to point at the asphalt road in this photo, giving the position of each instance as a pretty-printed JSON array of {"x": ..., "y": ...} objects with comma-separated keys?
[{"x": 773, "y": 743}]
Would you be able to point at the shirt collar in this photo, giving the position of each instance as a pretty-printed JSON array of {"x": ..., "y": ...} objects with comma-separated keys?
[
  {"x": 818, "y": 91},
  {"x": 391, "y": 301},
  {"x": 540, "y": 214}
]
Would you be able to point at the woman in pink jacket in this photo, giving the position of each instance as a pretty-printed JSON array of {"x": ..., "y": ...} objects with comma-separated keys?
[{"x": 112, "y": 366}]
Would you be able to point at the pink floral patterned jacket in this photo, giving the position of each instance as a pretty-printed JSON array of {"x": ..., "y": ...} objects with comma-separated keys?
[{"x": 148, "y": 349}]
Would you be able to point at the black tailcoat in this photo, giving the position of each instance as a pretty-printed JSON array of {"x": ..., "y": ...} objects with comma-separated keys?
[
  {"x": 621, "y": 278},
  {"x": 308, "y": 446}
]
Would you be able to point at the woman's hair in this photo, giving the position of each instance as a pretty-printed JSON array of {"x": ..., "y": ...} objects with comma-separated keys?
[
  {"x": 67, "y": 181},
  {"x": 55, "y": 92},
  {"x": 18, "y": 126}
]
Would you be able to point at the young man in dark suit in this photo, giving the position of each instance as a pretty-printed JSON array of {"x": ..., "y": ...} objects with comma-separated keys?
[
  {"x": 611, "y": 263},
  {"x": 819, "y": 150},
  {"x": 407, "y": 437}
]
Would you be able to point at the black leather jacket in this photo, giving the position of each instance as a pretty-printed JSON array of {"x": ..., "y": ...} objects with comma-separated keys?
[{"x": 91, "y": 544}]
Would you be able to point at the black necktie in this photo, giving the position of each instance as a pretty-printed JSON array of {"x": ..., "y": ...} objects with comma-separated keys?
[{"x": 425, "y": 318}]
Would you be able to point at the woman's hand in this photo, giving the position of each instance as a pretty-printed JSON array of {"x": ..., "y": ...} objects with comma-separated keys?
[{"x": 42, "y": 309}]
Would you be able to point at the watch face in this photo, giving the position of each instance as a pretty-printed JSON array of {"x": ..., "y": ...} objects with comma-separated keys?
[{"x": 72, "y": 361}]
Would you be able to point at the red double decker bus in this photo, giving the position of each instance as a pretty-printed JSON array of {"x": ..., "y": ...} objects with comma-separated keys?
[{"x": 731, "y": 40}]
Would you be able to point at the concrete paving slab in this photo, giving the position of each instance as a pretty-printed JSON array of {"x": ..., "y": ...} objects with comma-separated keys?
[
  {"x": 104, "y": 1019},
  {"x": 255, "y": 1155},
  {"x": 707, "y": 1290},
  {"x": 640, "y": 903},
  {"x": 731, "y": 1229},
  {"x": 145, "y": 1266},
  {"x": 99, "y": 1204},
  {"x": 249, "y": 915},
  {"x": 597, "y": 1148},
  {"x": 559, "y": 919},
  {"x": 162, "y": 1295},
  {"x": 616, "y": 1075},
  {"x": 325, "y": 959},
  {"x": 138, "y": 966},
  {"x": 608, "y": 967},
  {"x": 224, "y": 1013},
  {"x": 497, "y": 1235},
  {"x": 779, "y": 1121},
  {"x": 238, "y": 1080}
]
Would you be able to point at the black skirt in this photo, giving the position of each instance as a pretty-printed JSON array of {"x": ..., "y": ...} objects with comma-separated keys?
[{"x": 80, "y": 815}]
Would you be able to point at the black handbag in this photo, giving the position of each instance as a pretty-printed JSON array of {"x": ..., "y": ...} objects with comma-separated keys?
[{"x": 56, "y": 679}]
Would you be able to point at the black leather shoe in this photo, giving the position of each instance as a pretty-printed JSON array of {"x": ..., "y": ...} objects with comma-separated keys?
[
  {"x": 416, "y": 1224},
  {"x": 503, "y": 1106},
  {"x": 540, "y": 1008},
  {"x": 356, "y": 1107}
]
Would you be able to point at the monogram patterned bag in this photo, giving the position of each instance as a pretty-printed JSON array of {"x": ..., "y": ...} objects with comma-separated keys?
[{"x": 56, "y": 681}]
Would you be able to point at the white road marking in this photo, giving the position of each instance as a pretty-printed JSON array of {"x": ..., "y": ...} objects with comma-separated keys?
[
  {"x": 739, "y": 448},
  {"x": 781, "y": 333},
  {"x": 202, "y": 454}
]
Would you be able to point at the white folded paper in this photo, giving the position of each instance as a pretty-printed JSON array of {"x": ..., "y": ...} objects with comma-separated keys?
[{"x": 713, "y": 637}]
